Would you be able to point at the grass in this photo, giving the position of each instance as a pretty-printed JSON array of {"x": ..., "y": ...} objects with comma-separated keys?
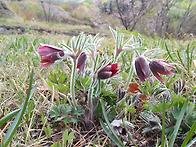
[{"x": 19, "y": 56}]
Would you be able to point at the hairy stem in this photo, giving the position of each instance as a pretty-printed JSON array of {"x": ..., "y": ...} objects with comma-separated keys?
[
  {"x": 72, "y": 83},
  {"x": 90, "y": 99},
  {"x": 163, "y": 125},
  {"x": 129, "y": 77}
]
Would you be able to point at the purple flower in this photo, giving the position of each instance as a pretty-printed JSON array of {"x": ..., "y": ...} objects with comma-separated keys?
[
  {"x": 81, "y": 61},
  {"x": 49, "y": 54},
  {"x": 142, "y": 68},
  {"x": 108, "y": 71},
  {"x": 159, "y": 66}
]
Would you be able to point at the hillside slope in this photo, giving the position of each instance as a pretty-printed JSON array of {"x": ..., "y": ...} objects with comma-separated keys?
[{"x": 5, "y": 12}]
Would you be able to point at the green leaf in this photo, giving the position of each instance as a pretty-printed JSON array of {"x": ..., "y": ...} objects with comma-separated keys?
[
  {"x": 70, "y": 137},
  {"x": 4, "y": 56},
  {"x": 177, "y": 126},
  {"x": 48, "y": 131},
  {"x": 8, "y": 117},
  {"x": 56, "y": 144},
  {"x": 72, "y": 120},
  {"x": 189, "y": 135},
  {"x": 131, "y": 109},
  {"x": 77, "y": 111},
  {"x": 65, "y": 136},
  {"x": 168, "y": 52},
  {"x": 10, "y": 133},
  {"x": 109, "y": 125},
  {"x": 191, "y": 142},
  {"x": 43, "y": 119},
  {"x": 180, "y": 59},
  {"x": 129, "y": 135},
  {"x": 109, "y": 133}
]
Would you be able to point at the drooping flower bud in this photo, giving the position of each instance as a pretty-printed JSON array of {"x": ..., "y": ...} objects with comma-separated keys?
[
  {"x": 81, "y": 61},
  {"x": 142, "y": 68},
  {"x": 49, "y": 55},
  {"x": 108, "y": 71},
  {"x": 158, "y": 66}
]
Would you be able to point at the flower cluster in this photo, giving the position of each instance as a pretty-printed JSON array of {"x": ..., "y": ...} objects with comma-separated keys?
[
  {"x": 157, "y": 66},
  {"x": 52, "y": 54}
]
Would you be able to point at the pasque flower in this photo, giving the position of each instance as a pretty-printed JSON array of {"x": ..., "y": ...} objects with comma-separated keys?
[
  {"x": 108, "y": 71},
  {"x": 50, "y": 54},
  {"x": 81, "y": 61},
  {"x": 158, "y": 66},
  {"x": 142, "y": 68}
]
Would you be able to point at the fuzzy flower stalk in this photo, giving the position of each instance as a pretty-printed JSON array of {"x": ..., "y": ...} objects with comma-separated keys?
[
  {"x": 78, "y": 63},
  {"x": 105, "y": 72}
]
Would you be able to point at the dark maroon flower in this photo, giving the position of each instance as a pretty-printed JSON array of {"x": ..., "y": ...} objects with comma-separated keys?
[
  {"x": 81, "y": 61},
  {"x": 157, "y": 67},
  {"x": 49, "y": 54},
  {"x": 108, "y": 71},
  {"x": 142, "y": 68}
]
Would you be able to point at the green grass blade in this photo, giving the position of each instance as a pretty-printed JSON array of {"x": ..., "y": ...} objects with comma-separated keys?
[
  {"x": 10, "y": 133},
  {"x": 109, "y": 133},
  {"x": 169, "y": 52},
  {"x": 8, "y": 117},
  {"x": 180, "y": 59},
  {"x": 177, "y": 126},
  {"x": 189, "y": 135},
  {"x": 192, "y": 55},
  {"x": 109, "y": 125},
  {"x": 4, "y": 56},
  {"x": 129, "y": 135},
  {"x": 191, "y": 142},
  {"x": 188, "y": 60}
]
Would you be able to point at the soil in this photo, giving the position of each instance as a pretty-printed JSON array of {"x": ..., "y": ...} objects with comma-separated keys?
[{"x": 21, "y": 30}]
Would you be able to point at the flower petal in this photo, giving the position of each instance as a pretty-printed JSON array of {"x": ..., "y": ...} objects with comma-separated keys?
[
  {"x": 114, "y": 66},
  {"x": 164, "y": 63},
  {"x": 139, "y": 72},
  {"x": 46, "y": 50},
  {"x": 104, "y": 75},
  {"x": 114, "y": 72},
  {"x": 46, "y": 64},
  {"x": 108, "y": 71},
  {"x": 142, "y": 68},
  {"x": 157, "y": 76},
  {"x": 81, "y": 61}
]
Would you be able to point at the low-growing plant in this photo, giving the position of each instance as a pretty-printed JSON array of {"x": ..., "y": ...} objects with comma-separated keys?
[
  {"x": 66, "y": 140},
  {"x": 125, "y": 88},
  {"x": 96, "y": 73}
]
